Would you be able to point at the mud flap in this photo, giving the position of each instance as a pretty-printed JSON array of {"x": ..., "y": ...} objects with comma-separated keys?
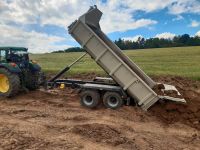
[{"x": 171, "y": 88}]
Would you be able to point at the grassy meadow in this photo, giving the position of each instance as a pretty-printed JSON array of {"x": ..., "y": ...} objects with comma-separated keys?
[{"x": 180, "y": 61}]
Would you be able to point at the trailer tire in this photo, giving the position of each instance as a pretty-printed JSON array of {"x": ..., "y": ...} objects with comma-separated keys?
[
  {"x": 90, "y": 98},
  {"x": 112, "y": 100}
]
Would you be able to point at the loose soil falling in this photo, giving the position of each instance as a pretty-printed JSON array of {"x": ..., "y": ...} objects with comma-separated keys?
[
  {"x": 55, "y": 120},
  {"x": 171, "y": 112}
]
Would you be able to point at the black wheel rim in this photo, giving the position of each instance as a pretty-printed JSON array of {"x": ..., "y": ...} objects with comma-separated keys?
[
  {"x": 88, "y": 100},
  {"x": 113, "y": 101}
]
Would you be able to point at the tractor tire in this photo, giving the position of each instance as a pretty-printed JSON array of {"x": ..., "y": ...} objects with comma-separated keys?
[
  {"x": 9, "y": 83},
  {"x": 112, "y": 100},
  {"x": 90, "y": 99},
  {"x": 33, "y": 83}
]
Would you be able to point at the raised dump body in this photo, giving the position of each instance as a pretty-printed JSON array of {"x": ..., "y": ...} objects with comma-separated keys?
[{"x": 86, "y": 30}]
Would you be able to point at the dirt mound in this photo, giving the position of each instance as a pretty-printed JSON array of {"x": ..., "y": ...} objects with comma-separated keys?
[
  {"x": 19, "y": 140},
  {"x": 171, "y": 112},
  {"x": 104, "y": 134},
  {"x": 159, "y": 89},
  {"x": 181, "y": 83}
]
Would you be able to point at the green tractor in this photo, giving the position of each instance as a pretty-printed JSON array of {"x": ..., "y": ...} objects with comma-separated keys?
[{"x": 17, "y": 72}]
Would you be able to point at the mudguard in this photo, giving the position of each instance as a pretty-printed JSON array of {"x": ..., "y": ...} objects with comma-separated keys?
[
  {"x": 11, "y": 67},
  {"x": 34, "y": 67}
]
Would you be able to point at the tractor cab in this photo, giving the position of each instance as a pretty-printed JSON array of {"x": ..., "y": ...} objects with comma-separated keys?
[
  {"x": 14, "y": 55},
  {"x": 19, "y": 57}
]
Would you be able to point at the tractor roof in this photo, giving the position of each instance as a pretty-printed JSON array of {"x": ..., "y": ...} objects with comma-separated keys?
[{"x": 14, "y": 48}]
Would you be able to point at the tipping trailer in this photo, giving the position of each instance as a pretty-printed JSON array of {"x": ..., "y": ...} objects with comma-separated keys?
[{"x": 128, "y": 80}]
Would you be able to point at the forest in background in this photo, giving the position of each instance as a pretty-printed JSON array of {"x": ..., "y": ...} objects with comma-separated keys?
[{"x": 142, "y": 43}]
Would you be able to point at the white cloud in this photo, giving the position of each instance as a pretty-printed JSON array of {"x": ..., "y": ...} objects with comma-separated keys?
[
  {"x": 20, "y": 11},
  {"x": 118, "y": 15},
  {"x": 63, "y": 12},
  {"x": 198, "y": 34},
  {"x": 194, "y": 23},
  {"x": 175, "y": 7},
  {"x": 178, "y": 7},
  {"x": 36, "y": 42},
  {"x": 134, "y": 38},
  {"x": 58, "y": 13},
  {"x": 146, "y": 5},
  {"x": 165, "y": 35},
  {"x": 179, "y": 17}
]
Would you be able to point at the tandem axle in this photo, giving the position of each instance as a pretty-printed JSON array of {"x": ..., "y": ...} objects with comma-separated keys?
[{"x": 91, "y": 92}]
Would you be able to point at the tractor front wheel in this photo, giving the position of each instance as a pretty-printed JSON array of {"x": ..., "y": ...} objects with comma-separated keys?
[{"x": 9, "y": 83}]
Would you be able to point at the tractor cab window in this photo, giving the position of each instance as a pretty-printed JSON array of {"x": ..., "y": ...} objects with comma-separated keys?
[
  {"x": 17, "y": 56},
  {"x": 23, "y": 56},
  {"x": 2, "y": 55}
]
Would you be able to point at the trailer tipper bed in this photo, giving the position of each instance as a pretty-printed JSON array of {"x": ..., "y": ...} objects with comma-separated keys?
[{"x": 126, "y": 75}]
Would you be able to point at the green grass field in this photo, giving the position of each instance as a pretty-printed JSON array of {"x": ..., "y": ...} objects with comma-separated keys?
[{"x": 181, "y": 61}]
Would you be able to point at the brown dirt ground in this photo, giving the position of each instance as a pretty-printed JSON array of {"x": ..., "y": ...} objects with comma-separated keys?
[{"x": 55, "y": 120}]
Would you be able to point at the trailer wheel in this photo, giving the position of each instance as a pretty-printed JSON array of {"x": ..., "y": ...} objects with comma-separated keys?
[
  {"x": 112, "y": 100},
  {"x": 90, "y": 98}
]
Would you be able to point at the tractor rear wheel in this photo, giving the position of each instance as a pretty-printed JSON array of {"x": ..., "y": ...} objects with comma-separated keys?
[{"x": 9, "y": 83}]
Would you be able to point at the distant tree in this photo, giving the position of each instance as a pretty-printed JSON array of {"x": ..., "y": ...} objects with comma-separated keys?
[
  {"x": 74, "y": 49},
  {"x": 59, "y": 51},
  {"x": 120, "y": 43},
  {"x": 71, "y": 49},
  {"x": 184, "y": 39},
  {"x": 177, "y": 41},
  {"x": 195, "y": 41},
  {"x": 141, "y": 42}
]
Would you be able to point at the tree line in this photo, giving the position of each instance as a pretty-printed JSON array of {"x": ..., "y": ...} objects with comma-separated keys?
[
  {"x": 71, "y": 49},
  {"x": 142, "y": 43}
]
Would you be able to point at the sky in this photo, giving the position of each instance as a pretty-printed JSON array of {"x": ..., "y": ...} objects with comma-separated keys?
[{"x": 41, "y": 25}]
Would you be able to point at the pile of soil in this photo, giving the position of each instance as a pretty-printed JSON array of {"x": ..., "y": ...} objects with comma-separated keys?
[
  {"x": 171, "y": 112},
  {"x": 160, "y": 90}
]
